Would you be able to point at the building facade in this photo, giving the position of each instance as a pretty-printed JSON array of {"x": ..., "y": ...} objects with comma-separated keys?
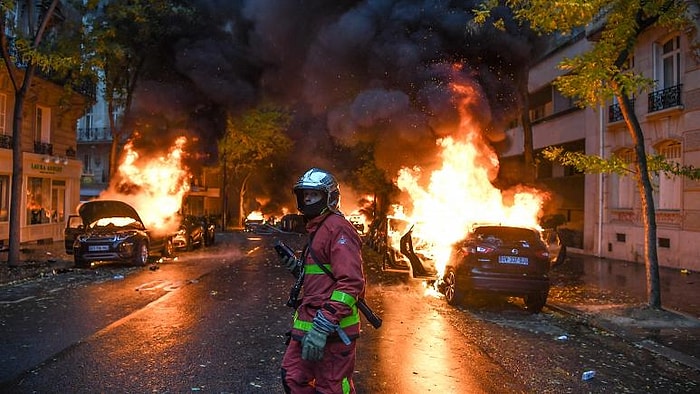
[
  {"x": 51, "y": 171},
  {"x": 602, "y": 213}
]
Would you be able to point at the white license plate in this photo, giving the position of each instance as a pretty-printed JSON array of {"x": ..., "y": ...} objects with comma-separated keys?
[
  {"x": 98, "y": 248},
  {"x": 512, "y": 260}
]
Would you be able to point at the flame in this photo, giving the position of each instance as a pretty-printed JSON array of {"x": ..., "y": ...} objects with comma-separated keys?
[
  {"x": 448, "y": 201},
  {"x": 154, "y": 186},
  {"x": 255, "y": 215}
]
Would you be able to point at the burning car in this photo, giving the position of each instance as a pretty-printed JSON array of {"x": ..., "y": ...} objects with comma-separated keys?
[
  {"x": 508, "y": 260},
  {"x": 112, "y": 230},
  {"x": 190, "y": 235},
  {"x": 402, "y": 250}
]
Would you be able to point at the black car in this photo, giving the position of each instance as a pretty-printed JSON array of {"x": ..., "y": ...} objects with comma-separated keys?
[
  {"x": 111, "y": 230},
  {"x": 191, "y": 233},
  {"x": 513, "y": 261}
]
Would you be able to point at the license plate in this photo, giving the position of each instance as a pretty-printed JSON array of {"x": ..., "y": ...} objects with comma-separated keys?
[
  {"x": 98, "y": 248},
  {"x": 512, "y": 260}
]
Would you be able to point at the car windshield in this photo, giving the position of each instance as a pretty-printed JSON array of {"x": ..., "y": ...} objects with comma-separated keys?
[
  {"x": 506, "y": 234},
  {"x": 116, "y": 222}
]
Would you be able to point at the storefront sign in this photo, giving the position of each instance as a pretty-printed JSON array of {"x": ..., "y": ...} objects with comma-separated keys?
[{"x": 47, "y": 168}]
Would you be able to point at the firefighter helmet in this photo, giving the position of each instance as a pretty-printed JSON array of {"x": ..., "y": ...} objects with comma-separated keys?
[{"x": 320, "y": 180}]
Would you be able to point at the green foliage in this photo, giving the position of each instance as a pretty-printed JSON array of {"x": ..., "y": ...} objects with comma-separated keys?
[
  {"x": 594, "y": 164},
  {"x": 255, "y": 138}
]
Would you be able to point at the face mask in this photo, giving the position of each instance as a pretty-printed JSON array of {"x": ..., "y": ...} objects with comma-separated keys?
[{"x": 313, "y": 210}]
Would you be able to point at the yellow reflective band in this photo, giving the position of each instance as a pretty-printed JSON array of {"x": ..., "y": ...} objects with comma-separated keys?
[
  {"x": 347, "y": 321},
  {"x": 314, "y": 269},
  {"x": 345, "y": 298}
]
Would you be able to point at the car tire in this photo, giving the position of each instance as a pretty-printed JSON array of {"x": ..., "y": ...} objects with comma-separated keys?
[
  {"x": 535, "y": 302},
  {"x": 80, "y": 262},
  {"x": 454, "y": 294},
  {"x": 168, "y": 249},
  {"x": 141, "y": 254}
]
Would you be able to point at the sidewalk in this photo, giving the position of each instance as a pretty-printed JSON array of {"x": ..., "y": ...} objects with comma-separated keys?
[{"x": 612, "y": 295}]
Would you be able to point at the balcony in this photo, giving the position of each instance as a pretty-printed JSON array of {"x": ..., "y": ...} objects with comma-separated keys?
[
  {"x": 665, "y": 98},
  {"x": 615, "y": 113},
  {"x": 43, "y": 148},
  {"x": 5, "y": 141},
  {"x": 94, "y": 134}
]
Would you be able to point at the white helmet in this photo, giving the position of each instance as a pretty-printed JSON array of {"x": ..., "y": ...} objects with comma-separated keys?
[{"x": 323, "y": 181}]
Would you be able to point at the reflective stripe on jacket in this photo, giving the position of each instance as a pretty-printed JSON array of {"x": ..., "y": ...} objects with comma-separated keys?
[{"x": 338, "y": 247}]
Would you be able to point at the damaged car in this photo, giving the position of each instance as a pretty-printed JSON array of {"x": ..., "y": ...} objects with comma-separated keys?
[
  {"x": 508, "y": 260},
  {"x": 112, "y": 231}
]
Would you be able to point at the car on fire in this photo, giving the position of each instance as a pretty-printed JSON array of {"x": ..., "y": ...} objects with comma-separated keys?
[
  {"x": 508, "y": 260},
  {"x": 112, "y": 230},
  {"x": 190, "y": 234}
]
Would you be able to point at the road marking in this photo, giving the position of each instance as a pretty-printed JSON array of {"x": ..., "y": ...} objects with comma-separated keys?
[
  {"x": 166, "y": 285},
  {"x": 17, "y": 301}
]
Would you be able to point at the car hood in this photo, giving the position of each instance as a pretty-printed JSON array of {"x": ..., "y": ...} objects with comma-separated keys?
[{"x": 98, "y": 209}]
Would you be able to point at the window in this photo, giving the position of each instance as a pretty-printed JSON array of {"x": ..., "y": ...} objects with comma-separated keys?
[
  {"x": 4, "y": 197},
  {"x": 3, "y": 113},
  {"x": 622, "y": 186},
  {"x": 541, "y": 103},
  {"x": 46, "y": 201},
  {"x": 42, "y": 124},
  {"x": 667, "y": 188}
]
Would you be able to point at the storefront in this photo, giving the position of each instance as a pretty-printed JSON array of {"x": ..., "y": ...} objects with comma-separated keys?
[{"x": 52, "y": 192}]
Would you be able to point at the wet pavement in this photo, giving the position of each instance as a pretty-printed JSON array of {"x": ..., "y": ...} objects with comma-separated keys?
[
  {"x": 612, "y": 295},
  {"x": 604, "y": 293}
]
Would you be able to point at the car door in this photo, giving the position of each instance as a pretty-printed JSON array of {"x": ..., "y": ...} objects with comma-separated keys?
[{"x": 74, "y": 227}]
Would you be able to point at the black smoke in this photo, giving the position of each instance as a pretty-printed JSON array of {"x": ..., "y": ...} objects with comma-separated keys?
[{"x": 373, "y": 71}]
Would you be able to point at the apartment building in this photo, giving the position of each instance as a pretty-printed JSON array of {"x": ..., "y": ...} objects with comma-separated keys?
[
  {"x": 51, "y": 171},
  {"x": 602, "y": 212}
]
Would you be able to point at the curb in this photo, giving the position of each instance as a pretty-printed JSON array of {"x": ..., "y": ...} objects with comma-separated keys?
[{"x": 644, "y": 343}]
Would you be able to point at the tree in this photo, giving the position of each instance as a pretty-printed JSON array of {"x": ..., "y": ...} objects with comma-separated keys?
[
  {"x": 35, "y": 36},
  {"x": 253, "y": 142},
  {"x": 599, "y": 75},
  {"x": 124, "y": 35}
]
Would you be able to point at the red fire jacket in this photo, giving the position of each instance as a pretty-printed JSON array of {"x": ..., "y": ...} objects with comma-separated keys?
[{"x": 337, "y": 245}]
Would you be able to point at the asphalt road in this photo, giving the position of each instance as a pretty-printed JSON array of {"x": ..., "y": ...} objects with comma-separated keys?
[{"x": 213, "y": 320}]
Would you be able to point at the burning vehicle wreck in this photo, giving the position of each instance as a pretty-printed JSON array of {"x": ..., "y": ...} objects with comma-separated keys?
[
  {"x": 112, "y": 231},
  {"x": 492, "y": 259},
  {"x": 508, "y": 260}
]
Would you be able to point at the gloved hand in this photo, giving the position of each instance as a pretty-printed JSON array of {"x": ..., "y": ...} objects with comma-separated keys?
[
  {"x": 315, "y": 340},
  {"x": 291, "y": 264}
]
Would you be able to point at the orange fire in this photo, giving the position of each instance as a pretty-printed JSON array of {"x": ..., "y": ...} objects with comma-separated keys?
[
  {"x": 449, "y": 200},
  {"x": 154, "y": 186}
]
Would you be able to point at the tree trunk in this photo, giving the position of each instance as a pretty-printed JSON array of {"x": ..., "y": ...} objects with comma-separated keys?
[
  {"x": 241, "y": 199},
  {"x": 528, "y": 149},
  {"x": 651, "y": 259},
  {"x": 17, "y": 189}
]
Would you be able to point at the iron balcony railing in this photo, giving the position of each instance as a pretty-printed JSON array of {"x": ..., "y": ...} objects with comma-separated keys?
[
  {"x": 5, "y": 141},
  {"x": 94, "y": 134},
  {"x": 43, "y": 148},
  {"x": 665, "y": 98},
  {"x": 615, "y": 113}
]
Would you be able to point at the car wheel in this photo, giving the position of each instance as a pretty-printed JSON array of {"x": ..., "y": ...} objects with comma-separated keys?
[
  {"x": 535, "y": 302},
  {"x": 454, "y": 294},
  {"x": 168, "y": 249},
  {"x": 80, "y": 262},
  {"x": 141, "y": 255}
]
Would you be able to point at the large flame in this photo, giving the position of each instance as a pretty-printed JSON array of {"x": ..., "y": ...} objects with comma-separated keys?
[
  {"x": 449, "y": 200},
  {"x": 154, "y": 186}
]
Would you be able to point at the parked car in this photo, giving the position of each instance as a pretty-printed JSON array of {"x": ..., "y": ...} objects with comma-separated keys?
[
  {"x": 507, "y": 260},
  {"x": 402, "y": 251},
  {"x": 112, "y": 230},
  {"x": 191, "y": 233},
  {"x": 209, "y": 230}
]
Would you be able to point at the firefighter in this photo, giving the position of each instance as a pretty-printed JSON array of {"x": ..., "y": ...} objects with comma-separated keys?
[{"x": 320, "y": 357}]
